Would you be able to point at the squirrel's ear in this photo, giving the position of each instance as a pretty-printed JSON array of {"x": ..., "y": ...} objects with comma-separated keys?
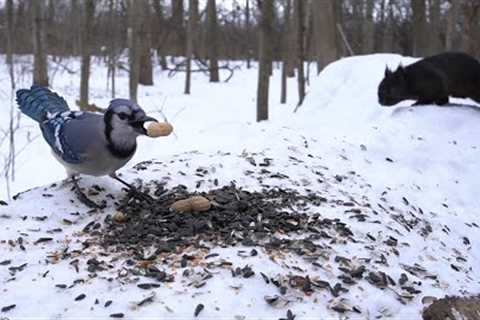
[
  {"x": 400, "y": 72},
  {"x": 388, "y": 72}
]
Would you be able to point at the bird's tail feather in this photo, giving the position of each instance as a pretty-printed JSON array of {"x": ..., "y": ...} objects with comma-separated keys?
[{"x": 37, "y": 102}]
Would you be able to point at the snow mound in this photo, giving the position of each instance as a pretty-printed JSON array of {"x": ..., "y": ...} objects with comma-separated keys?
[
  {"x": 434, "y": 147},
  {"x": 347, "y": 90}
]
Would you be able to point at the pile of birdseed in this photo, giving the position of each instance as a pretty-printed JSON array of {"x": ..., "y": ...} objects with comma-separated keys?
[{"x": 237, "y": 217}]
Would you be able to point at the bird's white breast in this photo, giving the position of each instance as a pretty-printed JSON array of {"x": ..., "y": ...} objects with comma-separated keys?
[{"x": 101, "y": 165}]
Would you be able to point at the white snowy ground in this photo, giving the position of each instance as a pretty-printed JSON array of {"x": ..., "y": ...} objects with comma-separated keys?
[{"x": 417, "y": 163}]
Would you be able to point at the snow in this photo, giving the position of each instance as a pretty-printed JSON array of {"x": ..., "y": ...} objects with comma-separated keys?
[{"x": 414, "y": 161}]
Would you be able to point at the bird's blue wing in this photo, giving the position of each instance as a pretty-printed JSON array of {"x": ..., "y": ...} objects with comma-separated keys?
[{"x": 57, "y": 132}]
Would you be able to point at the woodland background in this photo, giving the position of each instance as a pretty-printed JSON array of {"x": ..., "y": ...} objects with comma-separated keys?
[{"x": 195, "y": 35}]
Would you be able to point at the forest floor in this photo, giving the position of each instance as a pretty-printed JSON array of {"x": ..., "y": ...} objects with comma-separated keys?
[{"x": 344, "y": 209}]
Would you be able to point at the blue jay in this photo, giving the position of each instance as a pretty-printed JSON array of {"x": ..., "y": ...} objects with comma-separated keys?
[{"x": 85, "y": 142}]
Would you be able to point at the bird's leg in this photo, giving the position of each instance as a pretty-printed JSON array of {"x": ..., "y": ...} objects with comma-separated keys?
[
  {"x": 82, "y": 197},
  {"x": 66, "y": 182},
  {"x": 135, "y": 191}
]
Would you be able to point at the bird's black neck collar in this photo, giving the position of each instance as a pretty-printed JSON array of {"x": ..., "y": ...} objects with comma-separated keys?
[{"x": 116, "y": 150}]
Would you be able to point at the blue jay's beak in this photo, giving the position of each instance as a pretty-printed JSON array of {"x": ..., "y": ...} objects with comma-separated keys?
[
  {"x": 137, "y": 124},
  {"x": 147, "y": 118}
]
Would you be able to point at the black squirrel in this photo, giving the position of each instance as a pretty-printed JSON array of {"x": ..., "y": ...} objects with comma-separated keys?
[{"x": 432, "y": 80}]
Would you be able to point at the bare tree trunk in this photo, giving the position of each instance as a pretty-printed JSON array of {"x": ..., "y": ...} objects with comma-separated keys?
[
  {"x": 357, "y": 21},
  {"x": 338, "y": 21},
  {"x": 300, "y": 27},
  {"x": 112, "y": 78},
  {"x": 112, "y": 54},
  {"x": 177, "y": 24},
  {"x": 309, "y": 43},
  {"x": 73, "y": 30},
  {"x": 9, "y": 52},
  {"x": 20, "y": 26},
  {"x": 247, "y": 32},
  {"x": 283, "y": 90},
  {"x": 133, "y": 48},
  {"x": 325, "y": 33},
  {"x": 383, "y": 26},
  {"x": 471, "y": 12},
  {"x": 292, "y": 43},
  {"x": 9, "y": 170},
  {"x": 386, "y": 42},
  {"x": 420, "y": 47},
  {"x": 191, "y": 36},
  {"x": 51, "y": 31},
  {"x": 157, "y": 5},
  {"x": 40, "y": 75},
  {"x": 435, "y": 45},
  {"x": 388, "y": 37},
  {"x": 88, "y": 16},
  {"x": 212, "y": 40},
  {"x": 346, "y": 44},
  {"x": 265, "y": 59},
  {"x": 452, "y": 18},
  {"x": 285, "y": 50},
  {"x": 368, "y": 28},
  {"x": 146, "y": 69}
]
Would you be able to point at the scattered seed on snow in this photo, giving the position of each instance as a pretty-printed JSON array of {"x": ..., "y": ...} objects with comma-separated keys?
[
  {"x": 147, "y": 286},
  {"x": 43, "y": 239},
  {"x": 211, "y": 255},
  {"x": 198, "y": 309},
  {"x": 5, "y": 262},
  {"x": 80, "y": 297},
  {"x": 146, "y": 301},
  {"x": 117, "y": 315},
  {"x": 8, "y": 308}
]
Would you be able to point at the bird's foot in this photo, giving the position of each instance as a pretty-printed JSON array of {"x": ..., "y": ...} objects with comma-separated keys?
[
  {"x": 83, "y": 198},
  {"x": 65, "y": 183},
  {"x": 134, "y": 191}
]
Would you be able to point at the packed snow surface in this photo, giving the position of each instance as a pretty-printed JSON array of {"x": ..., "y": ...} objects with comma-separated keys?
[{"x": 411, "y": 171}]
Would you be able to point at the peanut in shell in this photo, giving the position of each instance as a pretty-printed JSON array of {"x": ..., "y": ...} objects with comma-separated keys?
[
  {"x": 159, "y": 129},
  {"x": 192, "y": 204}
]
